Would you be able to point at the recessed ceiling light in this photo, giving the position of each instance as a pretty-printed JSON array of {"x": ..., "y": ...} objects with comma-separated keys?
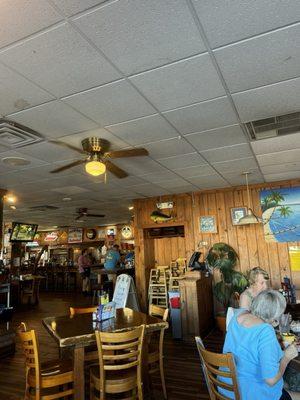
[
  {"x": 79, "y": 220},
  {"x": 66, "y": 199},
  {"x": 130, "y": 208},
  {"x": 15, "y": 161},
  {"x": 13, "y": 207}
]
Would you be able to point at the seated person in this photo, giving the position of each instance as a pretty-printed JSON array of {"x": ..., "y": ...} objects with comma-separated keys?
[
  {"x": 258, "y": 280},
  {"x": 260, "y": 362}
]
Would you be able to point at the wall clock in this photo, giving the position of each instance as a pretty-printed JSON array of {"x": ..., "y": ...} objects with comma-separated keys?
[{"x": 126, "y": 232}]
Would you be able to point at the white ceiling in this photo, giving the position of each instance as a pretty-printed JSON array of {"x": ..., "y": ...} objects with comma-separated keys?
[{"x": 178, "y": 77}]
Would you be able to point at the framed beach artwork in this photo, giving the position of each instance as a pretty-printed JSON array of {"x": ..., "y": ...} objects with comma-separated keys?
[
  {"x": 208, "y": 224},
  {"x": 237, "y": 213},
  {"x": 281, "y": 214}
]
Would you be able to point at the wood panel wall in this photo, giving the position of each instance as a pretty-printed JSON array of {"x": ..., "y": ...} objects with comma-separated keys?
[{"x": 247, "y": 240}]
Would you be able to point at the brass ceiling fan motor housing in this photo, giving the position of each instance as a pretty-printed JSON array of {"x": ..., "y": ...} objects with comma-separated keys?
[{"x": 95, "y": 145}]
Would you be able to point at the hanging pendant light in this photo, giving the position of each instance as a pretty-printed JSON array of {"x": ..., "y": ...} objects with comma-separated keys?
[{"x": 250, "y": 218}]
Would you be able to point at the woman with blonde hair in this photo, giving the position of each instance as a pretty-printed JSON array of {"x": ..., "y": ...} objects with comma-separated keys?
[{"x": 258, "y": 281}]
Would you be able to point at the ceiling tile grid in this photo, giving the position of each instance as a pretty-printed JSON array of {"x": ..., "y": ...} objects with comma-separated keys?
[{"x": 176, "y": 77}]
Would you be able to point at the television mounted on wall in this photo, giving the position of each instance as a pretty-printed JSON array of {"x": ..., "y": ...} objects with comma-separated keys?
[{"x": 22, "y": 232}]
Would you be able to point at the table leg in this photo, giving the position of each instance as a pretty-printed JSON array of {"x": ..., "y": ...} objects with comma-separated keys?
[{"x": 79, "y": 373}]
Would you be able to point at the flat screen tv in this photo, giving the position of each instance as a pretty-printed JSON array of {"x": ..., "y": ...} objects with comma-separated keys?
[{"x": 22, "y": 232}]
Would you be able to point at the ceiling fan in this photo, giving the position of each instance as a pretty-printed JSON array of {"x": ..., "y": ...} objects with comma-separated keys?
[
  {"x": 83, "y": 212},
  {"x": 98, "y": 157}
]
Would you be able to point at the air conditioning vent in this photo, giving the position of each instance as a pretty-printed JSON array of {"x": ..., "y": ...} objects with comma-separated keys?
[
  {"x": 272, "y": 127},
  {"x": 15, "y": 135},
  {"x": 43, "y": 208}
]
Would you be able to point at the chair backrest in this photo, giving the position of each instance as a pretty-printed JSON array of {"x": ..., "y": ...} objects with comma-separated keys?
[
  {"x": 120, "y": 351},
  {"x": 82, "y": 310},
  {"x": 211, "y": 364},
  {"x": 159, "y": 312},
  {"x": 31, "y": 351}
]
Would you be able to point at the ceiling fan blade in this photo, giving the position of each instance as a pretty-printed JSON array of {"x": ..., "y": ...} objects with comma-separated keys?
[
  {"x": 120, "y": 173},
  {"x": 127, "y": 153},
  {"x": 73, "y": 164},
  {"x": 67, "y": 145},
  {"x": 79, "y": 217},
  {"x": 95, "y": 215}
]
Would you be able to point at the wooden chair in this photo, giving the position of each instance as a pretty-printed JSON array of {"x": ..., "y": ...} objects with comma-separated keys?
[
  {"x": 120, "y": 364},
  {"x": 30, "y": 291},
  {"x": 155, "y": 353},
  {"x": 91, "y": 352},
  {"x": 211, "y": 362},
  {"x": 46, "y": 381}
]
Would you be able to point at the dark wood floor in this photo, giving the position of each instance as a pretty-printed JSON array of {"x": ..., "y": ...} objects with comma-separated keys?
[{"x": 184, "y": 378}]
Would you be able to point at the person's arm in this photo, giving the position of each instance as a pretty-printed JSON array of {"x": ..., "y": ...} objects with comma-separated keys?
[
  {"x": 272, "y": 362},
  {"x": 289, "y": 353},
  {"x": 245, "y": 301}
]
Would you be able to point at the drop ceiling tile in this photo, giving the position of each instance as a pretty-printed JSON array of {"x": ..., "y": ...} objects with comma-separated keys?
[
  {"x": 195, "y": 171},
  {"x": 237, "y": 166},
  {"x": 169, "y": 148},
  {"x": 278, "y": 57},
  {"x": 50, "y": 152},
  {"x": 280, "y": 168},
  {"x": 209, "y": 182},
  {"x": 144, "y": 130},
  {"x": 139, "y": 165},
  {"x": 72, "y": 63},
  {"x": 236, "y": 179},
  {"x": 149, "y": 190},
  {"x": 138, "y": 34},
  {"x": 273, "y": 145},
  {"x": 182, "y": 161},
  {"x": 180, "y": 84},
  {"x": 183, "y": 189},
  {"x": 71, "y": 7},
  {"x": 69, "y": 190},
  {"x": 227, "y": 153},
  {"x": 111, "y": 103},
  {"x": 130, "y": 181},
  {"x": 178, "y": 183},
  {"x": 282, "y": 176},
  {"x": 17, "y": 93},
  {"x": 160, "y": 177},
  {"x": 202, "y": 116},
  {"x": 18, "y": 21},
  {"x": 268, "y": 101},
  {"x": 281, "y": 157},
  {"x": 219, "y": 137},
  {"x": 248, "y": 18},
  {"x": 34, "y": 162},
  {"x": 53, "y": 119}
]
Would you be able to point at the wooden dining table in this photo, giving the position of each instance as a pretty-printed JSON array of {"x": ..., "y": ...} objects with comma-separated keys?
[{"x": 78, "y": 331}]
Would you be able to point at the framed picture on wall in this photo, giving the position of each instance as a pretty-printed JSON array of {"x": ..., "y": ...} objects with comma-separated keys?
[
  {"x": 208, "y": 224},
  {"x": 237, "y": 213}
]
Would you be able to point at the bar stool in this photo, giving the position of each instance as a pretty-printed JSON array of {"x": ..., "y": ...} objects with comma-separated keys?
[
  {"x": 71, "y": 280},
  {"x": 59, "y": 280}
]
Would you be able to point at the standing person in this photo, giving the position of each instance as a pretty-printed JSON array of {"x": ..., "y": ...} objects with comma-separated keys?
[
  {"x": 260, "y": 362},
  {"x": 112, "y": 259},
  {"x": 258, "y": 280},
  {"x": 84, "y": 265}
]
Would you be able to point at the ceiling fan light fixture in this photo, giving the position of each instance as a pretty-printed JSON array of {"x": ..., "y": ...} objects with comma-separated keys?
[{"x": 95, "y": 168}]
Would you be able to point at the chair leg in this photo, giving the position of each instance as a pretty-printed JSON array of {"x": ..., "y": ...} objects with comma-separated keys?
[
  {"x": 92, "y": 389},
  {"x": 140, "y": 392},
  {"x": 162, "y": 377}
]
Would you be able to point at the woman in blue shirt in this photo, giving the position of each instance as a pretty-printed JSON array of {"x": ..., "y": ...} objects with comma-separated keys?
[{"x": 260, "y": 362}]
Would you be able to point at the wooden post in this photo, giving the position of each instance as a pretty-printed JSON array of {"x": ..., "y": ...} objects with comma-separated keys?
[{"x": 2, "y": 193}]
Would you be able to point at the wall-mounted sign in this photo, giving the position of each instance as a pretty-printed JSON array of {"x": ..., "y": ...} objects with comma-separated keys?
[
  {"x": 75, "y": 235},
  {"x": 91, "y": 234},
  {"x": 111, "y": 232},
  {"x": 51, "y": 237},
  {"x": 101, "y": 233},
  {"x": 165, "y": 205},
  {"x": 126, "y": 232}
]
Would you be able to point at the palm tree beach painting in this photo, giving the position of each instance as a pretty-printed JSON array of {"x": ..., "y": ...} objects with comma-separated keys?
[{"x": 281, "y": 214}]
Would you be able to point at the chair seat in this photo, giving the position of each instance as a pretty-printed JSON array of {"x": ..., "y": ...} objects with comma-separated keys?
[
  {"x": 115, "y": 380},
  {"x": 53, "y": 373}
]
